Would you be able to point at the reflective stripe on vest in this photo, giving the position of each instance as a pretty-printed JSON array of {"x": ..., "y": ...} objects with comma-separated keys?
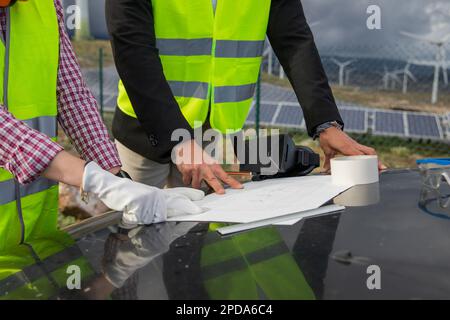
[
  {"x": 47, "y": 125},
  {"x": 200, "y": 47},
  {"x": 234, "y": 93},
  {"x": 29, "y": 61},
  {"x": 184, "y": 47},
  {"x": 239, "y": 49},
  {"x": 248, "y": 266},
  {"x": 8, "y": 193},
  {"x": 189, "y": 89},
  {"x": 209, "y": 60}
]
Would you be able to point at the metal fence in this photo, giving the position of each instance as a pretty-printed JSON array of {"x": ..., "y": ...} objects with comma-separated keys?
[
  {"x": 417, "y": 67},
  {"x": 391, "y": 90},
  {"x": 384, "y": 96},
  {"x": 378, "y": 93}
]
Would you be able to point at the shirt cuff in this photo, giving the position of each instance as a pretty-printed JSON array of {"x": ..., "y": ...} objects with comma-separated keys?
[
  {"x": 104, "y": 153},
  {"x": 322, "y": 127},
  {"x": 32, "y": 156}
]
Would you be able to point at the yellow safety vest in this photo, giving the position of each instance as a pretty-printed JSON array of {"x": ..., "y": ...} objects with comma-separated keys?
[
  {"x": 253, "y": 265},
  {"x": 209, "y": 59},
  {"x": 29, "y": 62},
  {"x": 39, "y": 269}
]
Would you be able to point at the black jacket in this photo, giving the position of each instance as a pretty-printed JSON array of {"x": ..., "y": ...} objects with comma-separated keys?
[{"x": 131, "y": 26}]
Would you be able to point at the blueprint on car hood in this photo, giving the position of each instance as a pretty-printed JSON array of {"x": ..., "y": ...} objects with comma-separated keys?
[{"x": 266, "y": 199}]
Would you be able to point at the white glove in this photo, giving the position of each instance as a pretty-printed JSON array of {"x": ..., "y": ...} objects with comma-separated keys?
[{"x": 140, "y": 204}]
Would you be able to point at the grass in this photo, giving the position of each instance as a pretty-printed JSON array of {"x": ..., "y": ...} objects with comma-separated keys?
[
  {"x": 395, "y": 153},
  {"x": 87, "y": 52}
]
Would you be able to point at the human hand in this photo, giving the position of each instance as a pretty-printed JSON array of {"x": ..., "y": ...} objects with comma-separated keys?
[
  {"x": 140, "y": 204},
  {"x": 334, "y": 141},
  {"x": 196, "y": 166}
]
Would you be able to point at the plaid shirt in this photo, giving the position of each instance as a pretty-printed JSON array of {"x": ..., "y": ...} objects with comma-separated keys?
[{"x": 26, "y": 153}]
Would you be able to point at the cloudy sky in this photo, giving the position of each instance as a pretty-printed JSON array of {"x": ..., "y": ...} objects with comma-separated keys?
[{"x": 344, "y": 21}]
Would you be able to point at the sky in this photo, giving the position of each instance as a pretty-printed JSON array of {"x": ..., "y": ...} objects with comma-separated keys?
[{"x": 343, "y": 22}]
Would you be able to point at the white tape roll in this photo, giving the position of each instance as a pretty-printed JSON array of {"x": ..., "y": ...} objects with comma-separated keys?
[{"x": 354, "y": 170}]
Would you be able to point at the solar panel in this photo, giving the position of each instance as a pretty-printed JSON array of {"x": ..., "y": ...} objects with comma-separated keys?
[
  {"x": 289, "y": 116},
  {"x": 274, "y": 93},
  {"x": 389, "y": 123},
  {"x": 355, "y": 119},
  {"x": 423, "y": 126},
  {"x": 266, "y": 113}
]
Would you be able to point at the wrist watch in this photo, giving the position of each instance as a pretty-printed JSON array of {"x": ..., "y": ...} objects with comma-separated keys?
[
  {"x": 123, "y": 174},
  {"x": 324, "y": 126}
]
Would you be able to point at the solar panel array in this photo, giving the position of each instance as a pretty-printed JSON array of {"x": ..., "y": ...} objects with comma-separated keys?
[
  {"x": 280, "y": 108},
  {"x": 267, "y": 112},
  {"x": 356, "y": 120},
  {"x": 424, "y": 125},
  {"x": 285, "y": 115},
  {"x": 290, "y": 116},
  {"x": 275, "y": 93},
  {"x": 283, "y": 110},
  {"x": 389, "y": 123}
]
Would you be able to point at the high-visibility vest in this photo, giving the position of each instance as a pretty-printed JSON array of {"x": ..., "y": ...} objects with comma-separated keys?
[
  {"x": 253, "y": 265},
  {"x": 29, "y": 61},
  {"x": 209, "y": 59},
  {"x": 41, "y": 269}
]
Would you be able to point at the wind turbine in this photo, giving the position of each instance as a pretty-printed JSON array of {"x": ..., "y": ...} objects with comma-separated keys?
[
  {"x": 407, "y": 74},
  {"x": 282, "y": 73},
  {"x": 314, "y": 24},
  {"x": 268, "y": 52},
  {"x": 438, "y": 39},
  {"x": 348, "y": 72},
  {"x": 390, "y": 78},
  {"x": 342, "y": 66}
]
